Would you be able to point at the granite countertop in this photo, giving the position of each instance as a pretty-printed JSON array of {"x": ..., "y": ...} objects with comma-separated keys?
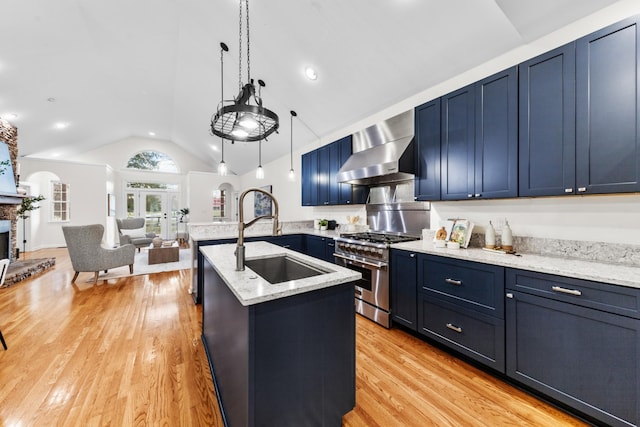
[
  {"x": 229, "y": 230},
  {"x": 623, "y": 275},
  {"x": 251, "y": 289}
]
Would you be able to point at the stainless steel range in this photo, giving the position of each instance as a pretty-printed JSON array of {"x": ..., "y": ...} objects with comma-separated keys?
[{"x": 369, "y": 253}]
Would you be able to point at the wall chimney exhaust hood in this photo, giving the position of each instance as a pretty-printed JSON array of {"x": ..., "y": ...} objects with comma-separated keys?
[{"x": 382, "y": 153}]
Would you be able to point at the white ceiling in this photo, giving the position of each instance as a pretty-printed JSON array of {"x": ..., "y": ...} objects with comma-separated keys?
[{"x": 123, "y": 68}]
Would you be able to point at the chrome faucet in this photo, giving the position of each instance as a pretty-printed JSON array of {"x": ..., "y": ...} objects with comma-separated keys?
[{"x": 241, "y": 225}]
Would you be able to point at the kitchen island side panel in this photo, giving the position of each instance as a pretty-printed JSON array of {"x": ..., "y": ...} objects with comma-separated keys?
[{"x": 286, "y": 362}]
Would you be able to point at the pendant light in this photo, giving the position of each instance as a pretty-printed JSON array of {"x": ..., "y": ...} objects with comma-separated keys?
[
  {"x": 244, "y": 118},
  {"x": 292, "y": 173},
  {"x": 259, "y": 171},
  {"x": 222, "y": 166}
]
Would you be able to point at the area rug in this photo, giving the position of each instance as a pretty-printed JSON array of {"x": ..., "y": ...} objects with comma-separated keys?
[{"x": 141, "y": 266}]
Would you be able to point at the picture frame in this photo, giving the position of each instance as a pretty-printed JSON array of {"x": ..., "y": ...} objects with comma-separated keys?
[{"x": 261, "y": 203}]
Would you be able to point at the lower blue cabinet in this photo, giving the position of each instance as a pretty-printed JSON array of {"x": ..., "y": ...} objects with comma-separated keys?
[{"x": 566, "y": 339}]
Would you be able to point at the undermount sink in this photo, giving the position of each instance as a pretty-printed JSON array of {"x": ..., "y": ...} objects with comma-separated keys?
[{"x": 283, "y": 268}]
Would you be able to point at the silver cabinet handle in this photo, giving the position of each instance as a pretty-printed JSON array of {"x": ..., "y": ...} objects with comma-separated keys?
[
  {"x": 453, "y": 282},
  {"x": 477, "y": 195},
  {"x": 509, "y": 295},
  {"x": 582, "y": 189},
  {"x": 454, "y": 327},
  {"x": 469, "y": 196},
  {"x": 566, "y": 291},
  {"x": 412, "y": 255},
  {"x": 568, "y": 190}
]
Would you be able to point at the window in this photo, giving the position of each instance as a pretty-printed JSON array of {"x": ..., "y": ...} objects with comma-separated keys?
[
  {"x": 218, "y": 204},
  {"x": 152, "y": 161},
  {"x": 59, "y": 201}
]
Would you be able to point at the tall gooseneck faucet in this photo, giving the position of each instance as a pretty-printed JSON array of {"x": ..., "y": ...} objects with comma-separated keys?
[{"x": 242, "y": 226}]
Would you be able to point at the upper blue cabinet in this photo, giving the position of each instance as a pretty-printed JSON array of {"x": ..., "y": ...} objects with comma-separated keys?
[
  {"x": 319, "y": 170},
  {"x": 547, "y": 124},
  {"x": 607, "y": 116},
  {"x": 479, "y": 151},
  {"x": 427, "y": 151}
]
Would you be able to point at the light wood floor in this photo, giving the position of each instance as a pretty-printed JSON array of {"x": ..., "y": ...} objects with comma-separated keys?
[{"x": 128, "y": 352}]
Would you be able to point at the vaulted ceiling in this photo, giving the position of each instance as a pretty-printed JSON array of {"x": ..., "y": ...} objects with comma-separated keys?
[{"x": 120, "y": 68}]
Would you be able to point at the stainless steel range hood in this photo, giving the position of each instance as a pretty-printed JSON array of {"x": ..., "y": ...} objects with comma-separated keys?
[{"x": 382, "y": 153}]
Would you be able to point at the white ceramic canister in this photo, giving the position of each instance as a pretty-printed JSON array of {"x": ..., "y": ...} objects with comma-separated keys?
[
  {"x": 316, "y": 224},
  {"x": 507, "y": 237},
  {"x": 490, "y": 237}
]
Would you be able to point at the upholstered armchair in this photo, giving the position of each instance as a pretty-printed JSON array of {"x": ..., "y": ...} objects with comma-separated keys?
[
  {"x": 84, "y": 243},
  {"x": 132, "y": 230}
]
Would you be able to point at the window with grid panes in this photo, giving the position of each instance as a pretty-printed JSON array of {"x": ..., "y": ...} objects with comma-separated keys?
[{"x": 59, "y": 201}]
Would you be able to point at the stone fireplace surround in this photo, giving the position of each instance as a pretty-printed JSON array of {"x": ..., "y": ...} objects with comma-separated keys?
[{"x": 9, "y": 135}]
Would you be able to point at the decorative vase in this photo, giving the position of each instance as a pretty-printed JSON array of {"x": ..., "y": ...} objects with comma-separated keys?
[
  {"x": 490, "y": 237},
  {"x": 157, "y": 242},
  {"x": 507, "y": 237}
]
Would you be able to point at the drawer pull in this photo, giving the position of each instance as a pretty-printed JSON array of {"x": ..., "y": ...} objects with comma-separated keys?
[
  {"x": 566, "y": 291},
  {"x": 454, "y": 328},
  {"x": 453, "y": 282}
]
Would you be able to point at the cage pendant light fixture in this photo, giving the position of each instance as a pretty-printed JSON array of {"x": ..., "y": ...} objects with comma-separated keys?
[
  {"x": 244, "y": 118},
  {"x": 292, "y": 173}
]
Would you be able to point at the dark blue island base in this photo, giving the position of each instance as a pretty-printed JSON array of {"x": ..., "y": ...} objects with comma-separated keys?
[{"x": 286, "y": 362}]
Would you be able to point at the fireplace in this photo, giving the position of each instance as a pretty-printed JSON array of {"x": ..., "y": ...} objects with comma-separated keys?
[{"x": 5, "y": 239}]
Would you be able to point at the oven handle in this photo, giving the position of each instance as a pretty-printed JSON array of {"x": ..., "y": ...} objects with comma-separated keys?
[{"x": 379, "y": 265}]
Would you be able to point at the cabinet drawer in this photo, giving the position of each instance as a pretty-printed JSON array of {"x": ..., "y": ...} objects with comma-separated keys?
[
  {"x": 476, "y": 335},
  {"x": 471, "y": 285},
  {"x": 601, "y": 296}
]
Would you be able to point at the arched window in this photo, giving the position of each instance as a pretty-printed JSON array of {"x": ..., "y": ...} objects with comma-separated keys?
[{"x": 152, "y": 161}]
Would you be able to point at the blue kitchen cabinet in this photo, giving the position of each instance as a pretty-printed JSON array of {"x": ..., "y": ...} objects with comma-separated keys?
[
  {"x": 457, "y": 152},
  {"x": 295, "y": 242},
  {"x": 404, "y": 270},
  {"x": 607, "y": 109},
  {"x": 309, "y": 178},
  {"x": 547, "y": 156},
  {"x": 319, "y": 170},
  {"x": 324, "y": 174},
  {"x": 461, "y": 305},
  {"x": 577, "y": 342},
  {"x": 320, "y": 247},
  {"x": 496, "y": 139},
  {"x": 427, "y": 151},
  {"x": 479, "y": 152}
]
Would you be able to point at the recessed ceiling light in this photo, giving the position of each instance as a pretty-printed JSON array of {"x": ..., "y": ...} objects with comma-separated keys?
[
  {"x": 52, "y": 99},
  {"x": 152, "y": 133},
  {"x": 310, "y": 73},
  {"x": 10, "y": 116},
  {"x": 214, "y": 148},
  {"x": 55, "y": 154},
  {"x": 61, "y": 125}
]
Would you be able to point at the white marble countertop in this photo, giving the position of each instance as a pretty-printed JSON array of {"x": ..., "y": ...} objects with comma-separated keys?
[
  {"x": 251, "y": 289},
  {"x": 623, "y": 275},
  {"x": 232, "y": 233}
]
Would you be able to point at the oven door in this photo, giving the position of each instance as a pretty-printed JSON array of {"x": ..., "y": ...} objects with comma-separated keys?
[{"x": 373, "y": 287}]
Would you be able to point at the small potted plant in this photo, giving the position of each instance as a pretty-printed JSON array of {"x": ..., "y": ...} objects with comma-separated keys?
[
  {"x": 323, "y": 224},
  {"x": 183, "y": 215}
]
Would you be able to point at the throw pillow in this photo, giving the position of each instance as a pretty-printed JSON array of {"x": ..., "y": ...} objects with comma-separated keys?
[{"x": 134, "y": 233}]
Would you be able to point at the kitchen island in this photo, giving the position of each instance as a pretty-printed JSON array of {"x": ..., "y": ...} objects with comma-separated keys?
[{"x": 280, "y": 354}]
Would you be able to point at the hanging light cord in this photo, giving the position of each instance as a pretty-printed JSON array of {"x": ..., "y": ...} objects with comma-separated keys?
[{"x": 293, "y": 114}]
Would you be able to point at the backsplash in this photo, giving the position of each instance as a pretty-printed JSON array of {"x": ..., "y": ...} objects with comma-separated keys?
[{"x": 612, "y": 253}]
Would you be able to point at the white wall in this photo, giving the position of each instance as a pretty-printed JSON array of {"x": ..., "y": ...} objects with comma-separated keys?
[
  {"x": 88, "y": 197},
  {"x": 118, "y": 153},
  {"x": 199, "y": 194}
]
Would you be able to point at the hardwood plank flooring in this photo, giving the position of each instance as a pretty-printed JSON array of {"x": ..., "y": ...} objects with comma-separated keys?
[{"x": 127, "y": 352}]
